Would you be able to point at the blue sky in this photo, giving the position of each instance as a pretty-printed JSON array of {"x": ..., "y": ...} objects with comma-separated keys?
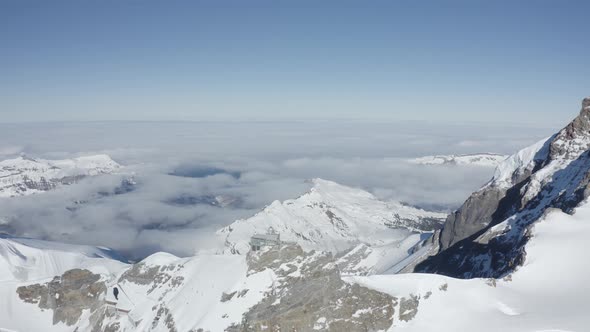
[{"x": 454, "y": 61}]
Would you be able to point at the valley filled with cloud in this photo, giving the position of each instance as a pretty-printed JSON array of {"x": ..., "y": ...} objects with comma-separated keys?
[{"x": 180, "y": 182}]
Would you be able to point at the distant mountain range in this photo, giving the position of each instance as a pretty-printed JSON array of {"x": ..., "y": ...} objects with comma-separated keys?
[
  {"x": 25, "y": 176},
  {"x": 479, "y": 159}
]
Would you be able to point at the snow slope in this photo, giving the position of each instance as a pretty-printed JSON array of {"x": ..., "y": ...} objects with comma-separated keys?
[
  {"x": 25, "y": 176},
  {"x": 548, "y": 293},
  {"x": 23, "y": 259},
  {"x": 480, "y": 159},
  {"x": 190, "y": 290}
]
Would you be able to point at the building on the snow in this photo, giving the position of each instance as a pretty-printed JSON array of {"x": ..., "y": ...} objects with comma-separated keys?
[{"x": 270, "y": 239}]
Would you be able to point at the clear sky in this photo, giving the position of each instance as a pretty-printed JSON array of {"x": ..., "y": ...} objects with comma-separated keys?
[{"x": 521, "y": 61}]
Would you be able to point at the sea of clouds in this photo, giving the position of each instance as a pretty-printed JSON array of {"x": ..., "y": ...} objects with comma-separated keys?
[{"x": 195, "y": 177}]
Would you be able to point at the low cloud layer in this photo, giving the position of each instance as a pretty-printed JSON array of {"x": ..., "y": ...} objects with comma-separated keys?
[{"x": 193, "y": 178}]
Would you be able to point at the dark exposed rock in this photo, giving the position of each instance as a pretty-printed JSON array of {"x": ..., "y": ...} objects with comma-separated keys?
[
  {"x": 67, "y": 296},
  {"x": 408, "y": 307},
  {"x": 155, "y": 275},
  {"x": 573, "y": 140},
  {"x": 310, "y": 296},
  {"x": 476, "y": 212},
  {"x": 226, "y": 297},
  {"x": 164, "y": 316}
]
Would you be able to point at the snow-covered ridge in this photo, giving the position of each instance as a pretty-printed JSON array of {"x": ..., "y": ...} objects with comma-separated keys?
[
  {"x": 332, "y": 217},
  {"x": 24, "y": 176},
  {"x": 479, "y": 159},
  {"x": 512, "y": 168}
]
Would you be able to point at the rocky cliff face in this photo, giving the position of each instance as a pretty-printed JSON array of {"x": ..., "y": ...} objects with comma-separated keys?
[{"x": 486, "y": 236}]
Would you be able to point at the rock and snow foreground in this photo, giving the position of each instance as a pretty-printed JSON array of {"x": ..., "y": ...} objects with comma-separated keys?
[
  {"x": 521, "y": 238},
  {"x": 274, "y": 290},
  {"x": 24, "y": 176}
]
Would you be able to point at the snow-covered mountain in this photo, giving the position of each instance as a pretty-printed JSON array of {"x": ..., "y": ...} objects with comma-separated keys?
[
  {"x": 479, "y": 159},
  {"x": 25, "y": 176},
  {"x": 332, "y": 217},
  {"x": 547, "y": 293},
  {"x": 487, "y": 235},
  {"x": 372, "y": 236}
]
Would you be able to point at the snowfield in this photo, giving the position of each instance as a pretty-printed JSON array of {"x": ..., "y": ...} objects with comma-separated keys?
[{"x": 24, "y": 259}]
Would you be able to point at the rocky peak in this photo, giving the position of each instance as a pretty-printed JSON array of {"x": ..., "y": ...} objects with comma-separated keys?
[{"x": 574, "y": 139}]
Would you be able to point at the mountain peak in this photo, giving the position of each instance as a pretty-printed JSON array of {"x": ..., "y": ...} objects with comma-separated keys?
[
  {"x": 486, "y": 236},
  {"x": 331, "y": 217},
  {"x": 574, "y": 139}
]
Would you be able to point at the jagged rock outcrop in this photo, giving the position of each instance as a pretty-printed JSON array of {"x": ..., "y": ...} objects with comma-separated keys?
[
  {"x": 486, "y": 236},
  {"x": 67, "y": 295},
  {"x": 574, "y": 139},
  {"x": 309, "y": 295}
]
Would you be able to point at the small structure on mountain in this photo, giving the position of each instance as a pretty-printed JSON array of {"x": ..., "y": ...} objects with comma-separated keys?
[
  {"x": 117, "y": 300},
  {"x": 270, "y": 239}
]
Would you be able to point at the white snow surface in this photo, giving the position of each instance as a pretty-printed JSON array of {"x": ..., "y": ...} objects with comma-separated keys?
[
  {"x": 517, "y": 163},
  {"x": 330, "y": 217},
  {"x": 16, "y": 174},
  {"x": 479, "y": 159},
  {"x": 192, "y": 290},
  {"x": 27, "y": 260},
  {"x": 548, "y": 293}
]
